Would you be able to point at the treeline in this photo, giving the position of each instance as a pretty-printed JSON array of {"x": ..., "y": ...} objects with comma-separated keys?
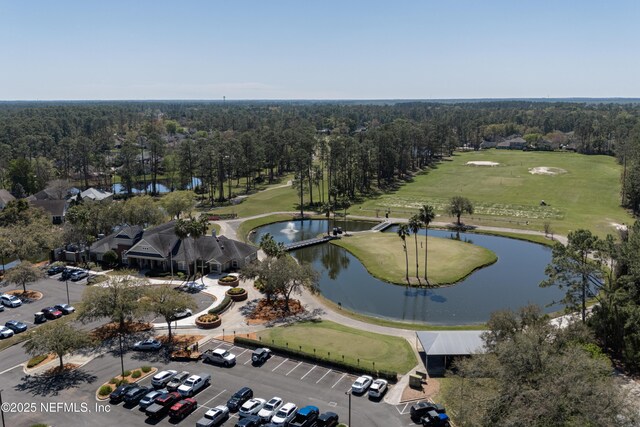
[{"x": 343, "y": 149}]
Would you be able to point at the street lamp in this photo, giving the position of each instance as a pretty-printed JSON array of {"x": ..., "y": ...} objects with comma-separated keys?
[
  {"x": 66, "y": 282},
  {"x": 348, "y": 393},
  {"x": 1, "y": 407}
]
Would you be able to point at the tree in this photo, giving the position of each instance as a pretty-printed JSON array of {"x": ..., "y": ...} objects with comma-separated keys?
[
  {"x": 536, "y": 374},
  {"x": 298, "y": 276},
  {"x": 143, "y": 211},
  {"x": 110, "y": 258},
  {"x": 572, "y": 269},
  {"x": 57, "y": 337},
  {"x": 459, "y": 205},
  {"x": 193, "y": 228},
  {"x": 403, "y": 232},
  {"x": 270, "y": 247},
  {"x": 414, "y": 226},
  {"x": 426, "y": 215},
  {"x": 164, "y": 301},
  {"x": 177, "y": 202},
  {"x": 23, "y": 274},
  {"x": 269, "y": 273}
]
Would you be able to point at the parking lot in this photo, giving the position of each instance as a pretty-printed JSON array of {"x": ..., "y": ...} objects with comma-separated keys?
[{"x": 294, "y": 381}]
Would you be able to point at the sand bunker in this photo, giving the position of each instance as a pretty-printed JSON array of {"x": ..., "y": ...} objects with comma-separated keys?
[
  {"x": 545, "y": 170},
  {"x": 482, "y": 163},
  {"x": 619, "y": 227}
]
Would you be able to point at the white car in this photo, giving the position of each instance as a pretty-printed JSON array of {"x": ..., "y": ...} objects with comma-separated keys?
[
  {"x": 219, "y": 356},
  {"x": 5, "y": 332},
  {"x": 213, "y": 417},
  {"x": 270, "y": 408},
  {"x": 10, "y": 300},
  {"x": 361, "y": 384},
  {"x": 194, "y": 384},
  {"x": 284, "y": 414},
  {"x": 162, "y": 378},
  {"x": 147, "y": 345},
  {"x": 251, "y": 407},
  {"x": 378, "y": 388}
]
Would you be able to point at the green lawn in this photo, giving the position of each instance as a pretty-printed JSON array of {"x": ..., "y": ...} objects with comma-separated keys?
[
  {"x": 383, "y": 256},
  {"x": 388, "y": 352},
  {"x": 507, "y": 195}
]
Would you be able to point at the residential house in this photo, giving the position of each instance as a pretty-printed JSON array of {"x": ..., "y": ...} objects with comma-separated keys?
[
  {"x": 55, "y": 208},
  {"x": 512, "y": 143},
  {"x": 94, "y": 194},
  {"x": 120, "y": 241},
  {"x": 5, "y": 197}
]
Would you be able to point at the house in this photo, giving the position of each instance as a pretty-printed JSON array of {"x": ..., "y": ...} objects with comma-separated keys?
[
  {"x": 488, "y": 144},
  {"x": 5, "y": 197},
  {"x": 94, "y": 194},
  {"x": 512, "y": 143},
  {"x": 159, "y": 248},
  {"x": 441, "y": 348},
  {"x": 55, "y": 208}
]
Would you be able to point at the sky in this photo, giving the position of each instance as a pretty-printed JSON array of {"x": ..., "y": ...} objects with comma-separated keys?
[{"x": 307, "y": 49}]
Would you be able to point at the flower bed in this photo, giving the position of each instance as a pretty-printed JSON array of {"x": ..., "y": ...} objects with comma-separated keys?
[
  {"x": 237, "y": 294},
  {"x": 229, "y": 281},
  {"x": 133, "y": 376},
  {"x": 208, "y": 321}
]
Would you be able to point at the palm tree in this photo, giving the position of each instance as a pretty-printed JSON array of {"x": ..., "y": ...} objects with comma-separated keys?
[
  {"x": 403, "y": 232},
  {"x": 326, "y": 209},
  {"x": 414, "y": 226},
  {"x": 426, "y": 215}
]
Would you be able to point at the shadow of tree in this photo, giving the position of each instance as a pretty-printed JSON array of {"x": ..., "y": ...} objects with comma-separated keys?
[{"x": 53, "y": 384}]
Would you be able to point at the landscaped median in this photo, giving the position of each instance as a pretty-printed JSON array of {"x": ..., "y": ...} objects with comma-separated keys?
[
  {"x": 332, "y": 344},
  {"x": 130, "y": 376},
  {"x": 449, "y": 261}
]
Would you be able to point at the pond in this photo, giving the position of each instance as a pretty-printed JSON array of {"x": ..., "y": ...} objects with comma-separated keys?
[
  {"x": 160, "y": 187},
  {"x": 510, "y": 283}
]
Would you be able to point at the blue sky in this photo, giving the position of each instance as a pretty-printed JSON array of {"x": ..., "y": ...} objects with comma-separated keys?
[{"x": 271, "y": 49}]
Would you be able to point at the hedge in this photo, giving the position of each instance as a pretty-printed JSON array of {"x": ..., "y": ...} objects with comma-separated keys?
[
  {"x": 237, "y": 291},
  {"x": 226, "y": 302},
  {"x": 36, "y": 360},
  {"x": 391, "y": 376}
]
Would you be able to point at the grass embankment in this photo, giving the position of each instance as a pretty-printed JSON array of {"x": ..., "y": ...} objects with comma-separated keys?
[
  {"x": 389, "y": 352},
  {"x": 533, "y": 238},
  {"x": 507, "y": 195},
  {"x": 449, "y": 260},
  {"x": 275, "y": 198},
  {"x": 247, "y": 226}
]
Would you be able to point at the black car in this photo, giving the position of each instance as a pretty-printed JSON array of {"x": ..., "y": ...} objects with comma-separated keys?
[
  {"x": 327, "y": 419},
  {"x": 239, "y": 397},
  {"x": 16, "y": 326},
  {"x": 118, "y": 394},
  {"x": 420, "y": 409},
  {"x": 57, "y": 269},
  {"x": 66, "y": 274},
  {"x": 249, "y": 421},
  {"x": 133, "y": 396}
]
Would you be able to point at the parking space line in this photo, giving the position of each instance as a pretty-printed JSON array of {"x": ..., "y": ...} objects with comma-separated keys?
[
  {"x": 279, "y": 365},
  {"x": 308, "y": 372},
  {"x": 322, "y": 377},
  {"x": 343, "y": 375},
  {"x": 204, "y": 405},
  {"x": 294, "y": 368},
  {"x": 10, "y": 369},
  {"x": 245, "y": 350}
]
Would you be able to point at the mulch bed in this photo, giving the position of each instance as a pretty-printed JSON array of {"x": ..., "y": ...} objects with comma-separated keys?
[
  {"x": 29, "y": 294},
  {"x": 129, "y": 379},
  {"x": 57, "y": 370},
  {"x": 429, "y": 390},
  {"x": 180, "y": 341},
  {"x": 266, "y": 312},
  {"x": 110, "y": 330},
  {"x": 229, "y": 337}
]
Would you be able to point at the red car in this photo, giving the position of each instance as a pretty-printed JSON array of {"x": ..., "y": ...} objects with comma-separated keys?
[
  {"x": 52, "y": 313},
  {"x": 183, "y": 408}
]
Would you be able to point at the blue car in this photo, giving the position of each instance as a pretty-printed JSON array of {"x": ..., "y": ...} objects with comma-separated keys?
[{"x": 16, "y": 326}]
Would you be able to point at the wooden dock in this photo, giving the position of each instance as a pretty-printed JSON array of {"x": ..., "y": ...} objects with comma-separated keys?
[{"x": 308, "y": 242}]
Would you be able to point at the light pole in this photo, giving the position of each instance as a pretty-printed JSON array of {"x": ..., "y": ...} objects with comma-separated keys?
[
  {"x": 348, "y": 393},
  {"x": 1, "y": 407},
  {"x": 66, "y": 282}
]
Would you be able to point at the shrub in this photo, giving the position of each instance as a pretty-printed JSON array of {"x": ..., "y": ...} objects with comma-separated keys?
[
  {"x": 36, "y": 360},
  {"x": 236, "y": 291},
  {"x": 259, "y": 285},
  {"x": 127, "y": 373},
  {"x": 146, "y": 369},
  {"x": 208, "y": 318},
  {"x": 121, "y": 382},
  {"x": 114, "y": 381},
  {"x": 180, "y": 275},
  {"x": 222, "y": 306},
  {"x": 105, "y": 390},
  {"x": 39, "y": 425},
  {"x": 228, "y": 279},
  {"x": 110, "y": 258},
  {"x": 136, "y": 374}
]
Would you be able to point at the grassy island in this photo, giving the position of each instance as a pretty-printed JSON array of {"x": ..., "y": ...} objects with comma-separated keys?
[{"x": 449, "y": 260}]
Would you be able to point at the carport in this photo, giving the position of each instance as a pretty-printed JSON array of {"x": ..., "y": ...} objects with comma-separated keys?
[{"x": 441, "y": 347}]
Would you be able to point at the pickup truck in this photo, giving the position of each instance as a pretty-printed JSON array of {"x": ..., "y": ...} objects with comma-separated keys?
[
  {"x": 219, "y": 357},
  {"x": 305, "y": 417},
  {"x": 182, "y": 408},
  {"x": 194, "y": 384},
  {"x": 162, "y": 404}
]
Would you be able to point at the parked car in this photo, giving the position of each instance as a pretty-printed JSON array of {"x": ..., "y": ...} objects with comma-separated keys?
[
  {"x": 177, "y": 381},
  {"x": 181, "y": 409},
  {"x": 378, "y": 388},
  {"x": 5, "y": 332},
  {"x": 66, "y": 273},
  {"x": 162, "y": 378},
  {"x": 65, "y": 308},
  {"x": 56, "y": 269},
  {"x": 251, "y": 407},
  {"x": 250, "y": 421},
  {"x": 270, "y": 408},
  {"x": 213, "y": 417},
  {"x": 16, "y": 326},
  {"x": 260, "y": 355},
  {"x": 361, "y": 384},
  {"x": 194, "y": 384},
  {"x": 78, "y": 275},
  {"x": 420, "y": 409},
  {"x": 219, "y": 356},
  {"x": 118, "y": 394},
  {"x": 435, "y": 419},
  {"x": 10, "y": 300},
  {"x": 1, "y": 308},
  {"x": 133, "y": 396},
  {"x": 162, "y": 405},
  {"x": 51, "y": 313},
  {"x": 148, "y": 398},
  {"x": 328, "y": 419},
  {"x": 238, "y": 398},
  {"x": 147, "y": 345},
  {"x": 181, "y": 314},
  {"x": 284, "y": 414},
  {"x": 305, "y": 417}
]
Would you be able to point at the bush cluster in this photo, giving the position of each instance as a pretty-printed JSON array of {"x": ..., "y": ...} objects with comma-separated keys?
[
  {"x": 236, "y": 291},
  {"x": 127, "y": 373},
  {"x": 146, "y": 369},
  {"x": 228, "y": 279},
  {"x": 222, "y": 306},
  {"x": 136, "y": 374},
  {"x": 105, "y": 390},
  {"x": 208, "y": 318},
  {"x": 36, "y": 360}
]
